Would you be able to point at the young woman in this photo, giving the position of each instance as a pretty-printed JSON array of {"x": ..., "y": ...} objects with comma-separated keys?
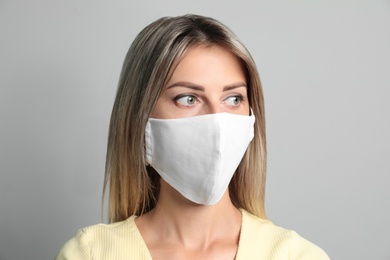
[{"x": 186, "y": 157}]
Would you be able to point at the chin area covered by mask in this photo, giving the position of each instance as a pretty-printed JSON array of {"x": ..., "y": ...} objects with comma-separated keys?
[{"x": 198, "y": 155}]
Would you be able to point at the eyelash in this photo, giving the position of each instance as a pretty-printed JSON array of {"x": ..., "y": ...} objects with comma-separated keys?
[
  {"x": 185, "y": 95},
  {"x": 239, "y": 96}
]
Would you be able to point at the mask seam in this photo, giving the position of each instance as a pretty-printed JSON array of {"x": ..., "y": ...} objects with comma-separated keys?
[{"x": 218, "y": 167}]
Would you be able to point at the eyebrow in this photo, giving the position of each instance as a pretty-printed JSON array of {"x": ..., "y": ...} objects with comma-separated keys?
[{"x": 194, "y": 86}]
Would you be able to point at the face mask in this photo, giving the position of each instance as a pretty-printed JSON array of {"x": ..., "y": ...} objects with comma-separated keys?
[{"x": 198, "y": 155}]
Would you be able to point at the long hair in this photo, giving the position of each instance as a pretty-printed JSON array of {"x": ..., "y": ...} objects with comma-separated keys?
[{"x": 133, "y": 187}]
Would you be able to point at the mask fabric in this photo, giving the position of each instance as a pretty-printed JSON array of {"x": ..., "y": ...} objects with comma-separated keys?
[{"x": 198, "y": 155}]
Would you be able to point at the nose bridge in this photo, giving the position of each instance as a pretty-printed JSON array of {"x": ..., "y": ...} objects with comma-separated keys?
[{"x": 213, "y": 107}]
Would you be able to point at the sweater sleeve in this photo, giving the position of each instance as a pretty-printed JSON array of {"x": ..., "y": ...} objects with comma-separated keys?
[
  {"x": 302, "y": 249},
  {"x": 76, "y": 248}
]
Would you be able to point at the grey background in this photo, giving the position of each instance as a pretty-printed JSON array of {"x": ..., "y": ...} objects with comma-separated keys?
[{"x": 325, "y": 70}]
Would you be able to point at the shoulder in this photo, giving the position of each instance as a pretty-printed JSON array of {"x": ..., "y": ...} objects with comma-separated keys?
[
  {"x": 260, "y": 239},
  {"x": 102, "y": 241}
]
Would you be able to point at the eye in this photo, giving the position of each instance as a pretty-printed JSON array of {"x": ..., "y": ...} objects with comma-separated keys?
[
  {"x": 234, "y": 100},
  {"x": 187, "y": 100}
]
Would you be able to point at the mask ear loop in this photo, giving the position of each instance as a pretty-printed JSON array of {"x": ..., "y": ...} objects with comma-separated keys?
[{"x": 250, "y": 111}]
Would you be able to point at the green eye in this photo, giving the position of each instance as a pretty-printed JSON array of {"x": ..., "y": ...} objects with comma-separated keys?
[
  {"x": 233, "y": 100},
  {"x": 188, "y": 100}
]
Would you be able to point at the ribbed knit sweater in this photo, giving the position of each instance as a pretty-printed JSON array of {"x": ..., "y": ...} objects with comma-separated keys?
[{"x": 259, "y": 239}]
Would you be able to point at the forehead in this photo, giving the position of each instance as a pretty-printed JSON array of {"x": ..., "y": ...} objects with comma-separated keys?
[{"x": 208, "y": 65}]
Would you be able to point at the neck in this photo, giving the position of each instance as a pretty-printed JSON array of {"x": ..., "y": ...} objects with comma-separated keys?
[{"x": 192, "y": 225}]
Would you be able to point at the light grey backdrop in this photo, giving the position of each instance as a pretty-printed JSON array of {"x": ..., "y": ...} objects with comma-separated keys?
[{"x": 325, "y": 68}]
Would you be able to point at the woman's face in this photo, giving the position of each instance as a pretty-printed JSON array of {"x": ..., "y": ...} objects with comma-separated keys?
[{"x": 207, "y": 80}]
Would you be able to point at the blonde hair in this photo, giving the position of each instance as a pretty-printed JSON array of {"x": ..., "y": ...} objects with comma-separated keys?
[{"x": 133, "y": 186}]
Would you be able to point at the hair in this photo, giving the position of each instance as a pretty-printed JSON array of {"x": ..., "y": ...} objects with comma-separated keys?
[{"x": 133, "y": 186}]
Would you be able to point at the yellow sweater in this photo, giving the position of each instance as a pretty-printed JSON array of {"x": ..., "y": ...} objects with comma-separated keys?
[{"x": 259, "y": 239}]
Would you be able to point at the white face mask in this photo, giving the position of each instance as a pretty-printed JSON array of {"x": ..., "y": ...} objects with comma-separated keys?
[{"x": 198, "y": 155}]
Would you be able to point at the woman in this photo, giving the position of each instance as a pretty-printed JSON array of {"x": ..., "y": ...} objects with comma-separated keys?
[{"x": 186, "y": 156}]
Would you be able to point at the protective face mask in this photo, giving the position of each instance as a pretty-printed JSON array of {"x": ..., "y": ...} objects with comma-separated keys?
[{"x": 198, "y": 155}]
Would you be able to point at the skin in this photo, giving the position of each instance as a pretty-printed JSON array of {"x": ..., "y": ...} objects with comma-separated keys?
[{"x": 207, "y": 80}]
